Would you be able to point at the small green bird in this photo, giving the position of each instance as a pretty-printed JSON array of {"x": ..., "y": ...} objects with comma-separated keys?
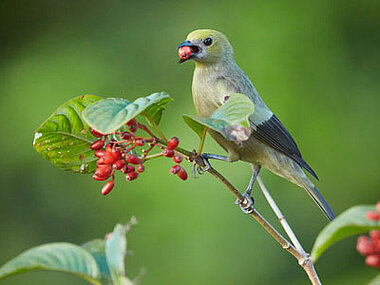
[{"x": 270, "y": 145}]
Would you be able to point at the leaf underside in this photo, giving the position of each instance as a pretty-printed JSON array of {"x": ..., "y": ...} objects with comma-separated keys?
[
  {"x": 109, "y": 115},
  {"x": 230, "y": 120},
  {"x": 64, "y": 257},
  {"x": 351, "y": 222},
  {"x": 64, "y": 138}
]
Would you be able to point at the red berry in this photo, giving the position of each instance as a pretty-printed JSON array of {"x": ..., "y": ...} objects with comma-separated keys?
[
  {"x": 364, "y": 246},
  {"x": 99, "y": 153},
  {"x": 95, "y": 133},
  {"x": 375, "y": 235},
  {"x": 107, "y": 187},
  {"x": 97, "y": 145},
  {"x": 99, "y": 178},
  {"x": 174, "y": 169},
  {"x": 182, "y": 174},
  {"x": 119, "y": 164},
  {"x": 132, "y": 122},
  {"x": 184, "y": 52},
  {"x": 133, "y": 128},
  {"x": 100, "y": 161},
  {"x": 178, "y": 158},
  {"x": 371, "y": 215},
  {"x": 126, "y": 135},
  {"x": 373, "y": 260},
  {"x": 132, "y": 159},
  {"x": 103, "y": 170},
  {"x": 110, "y": 157},
  {"x": 130, "y": 168},
  {"x": 173, "y": 143},
  {"x": 131, "y": 176},
  {"x": 168, "y": 152},
  {"x": 109, "y": 147},
  {"x": 378, "y": 206},
  {"x": 140, "y": 168},
  {"x": 139, "y": 142}
]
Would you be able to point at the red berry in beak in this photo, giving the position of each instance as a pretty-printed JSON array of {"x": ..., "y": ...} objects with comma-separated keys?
[
  {"x": 107, "y": 187},
  {"x": 184, "y": 52}
]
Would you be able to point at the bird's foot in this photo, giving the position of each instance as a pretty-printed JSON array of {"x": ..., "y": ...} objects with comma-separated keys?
[
  {"x": 246, "y": 204},
  {"x": 200, "y": 165}
]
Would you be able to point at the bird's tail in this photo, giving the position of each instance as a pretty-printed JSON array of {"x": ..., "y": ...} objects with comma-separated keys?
[{"x": 320, "y": 201}]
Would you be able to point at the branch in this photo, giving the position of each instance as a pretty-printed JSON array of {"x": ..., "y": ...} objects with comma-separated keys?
[
  {"x": 303, "y": 258},
  {"x": 296, "y": 250}
]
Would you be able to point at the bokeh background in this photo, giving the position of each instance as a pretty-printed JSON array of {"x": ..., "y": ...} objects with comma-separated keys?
[{"x": 316, "y": 64}]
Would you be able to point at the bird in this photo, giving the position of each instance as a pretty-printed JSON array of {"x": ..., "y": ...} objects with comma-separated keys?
[{"x": 216, "y": 76}]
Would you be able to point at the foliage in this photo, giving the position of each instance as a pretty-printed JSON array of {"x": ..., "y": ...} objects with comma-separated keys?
[
  {"x": 64, "y": 138},
  {"x": 351, "y": 222},
  {"x": 100, "y": 261}
]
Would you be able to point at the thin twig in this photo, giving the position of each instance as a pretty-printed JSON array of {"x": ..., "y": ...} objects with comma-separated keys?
[{"x": 280, "y": 217}]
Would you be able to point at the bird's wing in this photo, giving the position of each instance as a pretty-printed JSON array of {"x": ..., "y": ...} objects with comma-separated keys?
[
  {"x": 266, "y": 127},
  {"x": 273, "y": 133}
]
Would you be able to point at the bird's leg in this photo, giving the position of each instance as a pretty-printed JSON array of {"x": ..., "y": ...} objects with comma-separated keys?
[
  {"x": 248, "y": 201},
  {"x": 205, "y": 158}
]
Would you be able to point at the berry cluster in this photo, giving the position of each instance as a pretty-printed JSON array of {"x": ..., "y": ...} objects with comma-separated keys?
[
  {"x": 119, "y": 153},
  {"x": 370, "y": 246}
]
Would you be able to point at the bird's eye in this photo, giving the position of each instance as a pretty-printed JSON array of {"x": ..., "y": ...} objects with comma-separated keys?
[{"x": 208, "y": 41}]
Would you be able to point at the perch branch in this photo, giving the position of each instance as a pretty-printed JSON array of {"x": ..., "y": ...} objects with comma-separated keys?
[{"x": 303, "y": 258}]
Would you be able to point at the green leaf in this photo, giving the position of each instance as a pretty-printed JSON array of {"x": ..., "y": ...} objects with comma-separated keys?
[
  {"x": 351, "y": 222},
  {"x": 97, "y": 248},
  {"x": 230, "y": 120},
  {"x": 64, "y": 138},
  {"x": 63, "y": 257},
  {"x": 109, "y": 115},
  {"x": 116, "y": 248}
]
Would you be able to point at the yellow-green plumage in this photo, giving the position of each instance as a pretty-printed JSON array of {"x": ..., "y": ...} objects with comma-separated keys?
[{"x": 216, "y": 76}]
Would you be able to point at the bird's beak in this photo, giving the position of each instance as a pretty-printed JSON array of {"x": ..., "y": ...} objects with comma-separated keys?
[{"x": 187, "y": 50}]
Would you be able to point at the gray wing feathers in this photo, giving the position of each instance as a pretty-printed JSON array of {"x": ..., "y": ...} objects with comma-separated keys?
[{"x": 273, "y": 133}]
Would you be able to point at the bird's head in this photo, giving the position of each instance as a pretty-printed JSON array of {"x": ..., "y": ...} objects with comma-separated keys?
[{"x": 206, "y": 47}]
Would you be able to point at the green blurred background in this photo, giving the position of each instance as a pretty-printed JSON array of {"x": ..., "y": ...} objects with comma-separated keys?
[{"x": 315, "y": 63}]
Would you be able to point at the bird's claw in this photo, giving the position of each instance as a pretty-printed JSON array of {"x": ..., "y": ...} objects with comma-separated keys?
[
  {"x": 246, "y": 203},
  {"x": 202, "y": 165}
]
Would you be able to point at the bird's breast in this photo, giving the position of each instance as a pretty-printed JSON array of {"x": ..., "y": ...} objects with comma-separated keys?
[{"x": 206, "y": 97}]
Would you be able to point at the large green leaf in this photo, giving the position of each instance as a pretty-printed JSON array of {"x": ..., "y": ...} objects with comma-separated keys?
[
  {"x": 230, "y": 120},
  {"x": 109, "y": 115},
  {"x": 351, "y": 222},
  {"x": 97, "y": 248},
  {"x": 64, "y": 138},
  {"x": 64, "y": 257}
]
